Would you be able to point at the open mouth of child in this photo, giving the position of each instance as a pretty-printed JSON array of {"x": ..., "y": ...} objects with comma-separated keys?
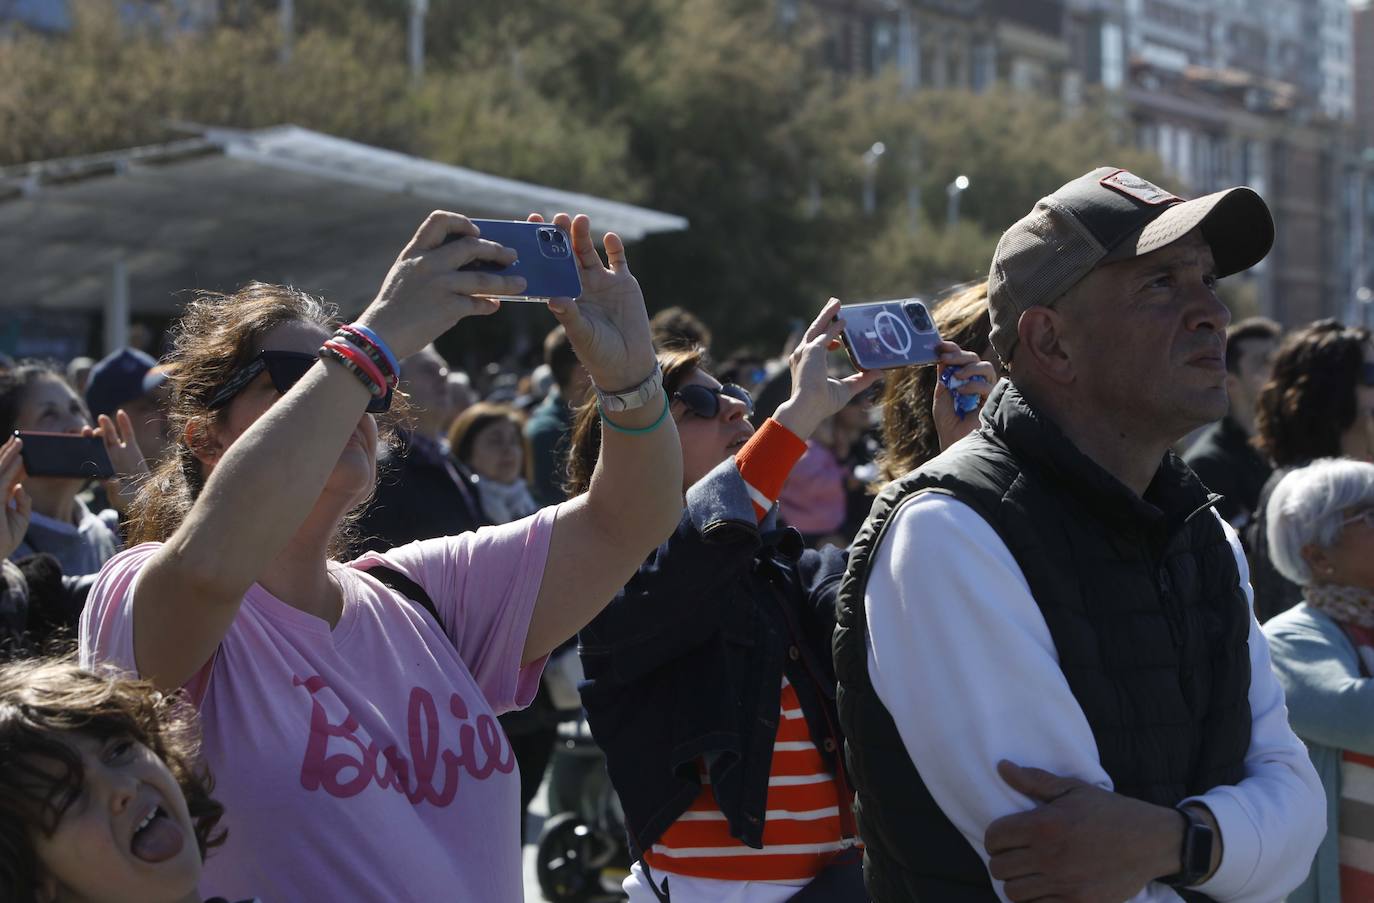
[{"x": 157, "y": 837}]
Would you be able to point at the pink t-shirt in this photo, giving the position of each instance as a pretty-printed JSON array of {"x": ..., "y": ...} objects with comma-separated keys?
[
  {"x": 364, "y": 762},
  {"x": 813, "y": 498}
]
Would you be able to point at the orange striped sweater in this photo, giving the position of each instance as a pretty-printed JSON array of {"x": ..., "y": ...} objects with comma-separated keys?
[
  {"x": 806, "y": 821},
  {"x": 802, "y": 831}
]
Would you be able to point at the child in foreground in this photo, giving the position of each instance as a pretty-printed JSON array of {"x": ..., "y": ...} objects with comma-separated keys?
[{"x": 100, "y": 795}]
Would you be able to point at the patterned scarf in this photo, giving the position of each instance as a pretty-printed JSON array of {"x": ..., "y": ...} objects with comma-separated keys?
[{"x": 1343, "y": 604}]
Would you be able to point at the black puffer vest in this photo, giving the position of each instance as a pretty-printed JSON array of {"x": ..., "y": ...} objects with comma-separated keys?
[{"x": 1142, "y": 598}]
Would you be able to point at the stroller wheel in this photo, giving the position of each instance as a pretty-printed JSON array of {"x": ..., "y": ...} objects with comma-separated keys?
[{"x": 565, "y": 860}]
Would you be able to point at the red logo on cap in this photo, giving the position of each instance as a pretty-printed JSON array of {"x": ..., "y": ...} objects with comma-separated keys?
[{"x": 1133, "y": 186}]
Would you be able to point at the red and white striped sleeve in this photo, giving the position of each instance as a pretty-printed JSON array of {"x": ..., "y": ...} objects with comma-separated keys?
[{"x": 765, "y": 461}]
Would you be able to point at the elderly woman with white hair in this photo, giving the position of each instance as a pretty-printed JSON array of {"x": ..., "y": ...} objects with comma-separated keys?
[{"x": 1321, "y": 536}]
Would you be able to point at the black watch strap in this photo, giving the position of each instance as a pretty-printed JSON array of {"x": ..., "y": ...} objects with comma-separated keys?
[{"x": 1196, "y": 855}]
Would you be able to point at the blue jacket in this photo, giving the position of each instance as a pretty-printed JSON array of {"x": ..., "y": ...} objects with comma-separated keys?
[
  {"x": 687, "y": 662},
  {"x": 1331, "y": 707}
]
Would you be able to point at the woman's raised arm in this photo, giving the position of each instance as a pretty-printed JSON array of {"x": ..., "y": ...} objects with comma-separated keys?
[
  {"x": 265, "y": 483},
  {"x": 635, "y": 500}
]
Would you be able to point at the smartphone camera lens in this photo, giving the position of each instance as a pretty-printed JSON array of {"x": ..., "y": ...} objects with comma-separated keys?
[
  {"x": 553, "y": 243},
  {"x": 919, "y": 317}
]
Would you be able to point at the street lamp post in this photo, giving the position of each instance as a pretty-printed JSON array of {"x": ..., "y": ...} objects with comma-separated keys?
[
  {"x": 952, "y": 193},
  {"x": 416, "y": 42},
  {"x": 286, "y": 23},
  {"x": 871, "y": 157},
  {"x": 913, "y": 190}
]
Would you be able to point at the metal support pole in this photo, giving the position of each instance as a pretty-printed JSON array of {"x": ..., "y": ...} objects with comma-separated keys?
[
  {"x": 870, "y": 194},
  {"x": 286, "y": 13},
  {"x": 418, "y": 9},
  {"x": 117, "y": 308},
  {"x": 953, "y": 192},
  {"x": 913, "y": 190},
  {"x": 1361, "y": 284}
]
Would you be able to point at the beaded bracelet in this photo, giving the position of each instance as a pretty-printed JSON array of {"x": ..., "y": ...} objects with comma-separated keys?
[
  {"x": 370, "y": 352},
  {"x": 362, "y": 360},
  {"x": 392, "y": 364},
  {"x": 379, "y": 356},
  {"x": 352, "y": 359},
  {"x": 636, "y": 432}
]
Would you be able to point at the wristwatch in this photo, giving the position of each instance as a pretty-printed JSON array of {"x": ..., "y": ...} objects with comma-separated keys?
[
  {"x": 628, "y": 400},
  {"x": 1197, "y": 851}
]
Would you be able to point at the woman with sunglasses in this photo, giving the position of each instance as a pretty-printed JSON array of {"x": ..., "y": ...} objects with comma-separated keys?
[
  {"x": 349, "y": 710},
  {"x": 709, "y": 679},
  {"x": 1318, "y": 403}
]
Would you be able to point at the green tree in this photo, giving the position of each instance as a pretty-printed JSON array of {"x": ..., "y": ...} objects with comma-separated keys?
[
  {"x": 711, "y": 109},
  {"x": 111, "y": 85},
  {"x": 1013, "y": 148}
]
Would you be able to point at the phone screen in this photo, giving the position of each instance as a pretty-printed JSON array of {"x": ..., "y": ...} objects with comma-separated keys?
[
  {"x": 65, "y": 455},
  {"x": 890, "y": 334}
]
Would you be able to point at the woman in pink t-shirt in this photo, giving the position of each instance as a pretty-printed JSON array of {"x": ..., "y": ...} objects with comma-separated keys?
[{"x": 352, "y": 736}]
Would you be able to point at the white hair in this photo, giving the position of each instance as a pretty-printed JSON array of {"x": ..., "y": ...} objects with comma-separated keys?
[{"x": 1307, "y": 508}]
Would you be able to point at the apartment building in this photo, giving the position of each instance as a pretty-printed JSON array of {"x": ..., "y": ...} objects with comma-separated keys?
[{"x": 970, "y": 44}]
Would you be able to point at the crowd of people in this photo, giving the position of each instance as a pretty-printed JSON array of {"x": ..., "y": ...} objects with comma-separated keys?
[{"x": 1084, "y": 611}]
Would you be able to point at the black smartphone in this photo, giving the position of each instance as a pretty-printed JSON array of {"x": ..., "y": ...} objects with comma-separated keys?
[
  {"x": 65, "y": 455},
  {"x": 887, "y": 334},
  {"x": 546, "y": 259}
]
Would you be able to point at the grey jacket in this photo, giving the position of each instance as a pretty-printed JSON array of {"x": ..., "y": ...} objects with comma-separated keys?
[
  {"x": 1331, "y": 707},
  {"x": 81, "y": 548}
]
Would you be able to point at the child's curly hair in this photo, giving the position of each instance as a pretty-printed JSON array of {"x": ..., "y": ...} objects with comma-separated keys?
[{"x": 43, "y": 699}]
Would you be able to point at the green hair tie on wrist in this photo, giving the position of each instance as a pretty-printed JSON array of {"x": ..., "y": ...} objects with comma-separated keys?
[{"x": 641, "y": 431}]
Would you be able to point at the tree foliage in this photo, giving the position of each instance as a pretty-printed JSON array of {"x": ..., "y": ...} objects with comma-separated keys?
[{"x": 712, "y": 109}]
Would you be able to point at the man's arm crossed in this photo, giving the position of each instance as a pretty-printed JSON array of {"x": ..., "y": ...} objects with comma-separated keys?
[{"x": 963, "y": 660}]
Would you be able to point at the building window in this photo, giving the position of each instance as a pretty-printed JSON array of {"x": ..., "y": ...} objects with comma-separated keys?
[
  {"x": 1254, "y": 166},
  {"x": 1071, "y": 89},
  {"x": 1113, "y": 73},
  {"x": 882, "y": 45},
  {"x": 1025, "y": 75},
  {"x": 984, "y": 65}
]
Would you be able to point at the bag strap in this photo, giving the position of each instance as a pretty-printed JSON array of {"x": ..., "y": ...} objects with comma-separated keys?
[
  {"x": 663, "y": 894},
  {"x": 402, "y": 584}
]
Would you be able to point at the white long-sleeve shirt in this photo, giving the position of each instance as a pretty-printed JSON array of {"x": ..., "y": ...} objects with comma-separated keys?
[{"x": 962, "y": 658}]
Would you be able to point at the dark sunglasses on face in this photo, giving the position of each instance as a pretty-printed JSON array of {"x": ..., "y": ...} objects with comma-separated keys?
[
  {"x": 285, "y": 369},
  {"x": 704, "y": 401}
]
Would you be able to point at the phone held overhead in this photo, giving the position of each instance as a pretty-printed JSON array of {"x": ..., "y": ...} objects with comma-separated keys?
[
  {"x": 64, "y": 455},
  {"x": 546, "y": 260},
  {"x": 886, "y": 334}
]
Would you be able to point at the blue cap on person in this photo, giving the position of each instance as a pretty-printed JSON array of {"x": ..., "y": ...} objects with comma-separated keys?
[{"x": 119, "y": 378}]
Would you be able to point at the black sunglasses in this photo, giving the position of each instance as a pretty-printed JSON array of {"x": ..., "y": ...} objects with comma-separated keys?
[
  {"x": 285, "y": 368},
  {"x": 704, "y": 401}
]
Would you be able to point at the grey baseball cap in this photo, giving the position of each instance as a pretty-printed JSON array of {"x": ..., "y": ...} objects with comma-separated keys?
[{"x": 1107, "y": 215}]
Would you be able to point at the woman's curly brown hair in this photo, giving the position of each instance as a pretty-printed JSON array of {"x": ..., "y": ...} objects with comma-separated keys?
[
  {"x": 215, "y": 337},
  {"x": 41, "y": 700},
  {"x": 909, "y": 437},
  {"x": 1309, "y": 400}
]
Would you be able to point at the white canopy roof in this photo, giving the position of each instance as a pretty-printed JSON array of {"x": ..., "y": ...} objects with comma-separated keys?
[{"x": 282, "y": 204}]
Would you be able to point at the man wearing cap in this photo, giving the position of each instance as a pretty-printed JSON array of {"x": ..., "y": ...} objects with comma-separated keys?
[
  {"x": 130, "y": 379},
  {"x": 1051, "y": 683}
]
